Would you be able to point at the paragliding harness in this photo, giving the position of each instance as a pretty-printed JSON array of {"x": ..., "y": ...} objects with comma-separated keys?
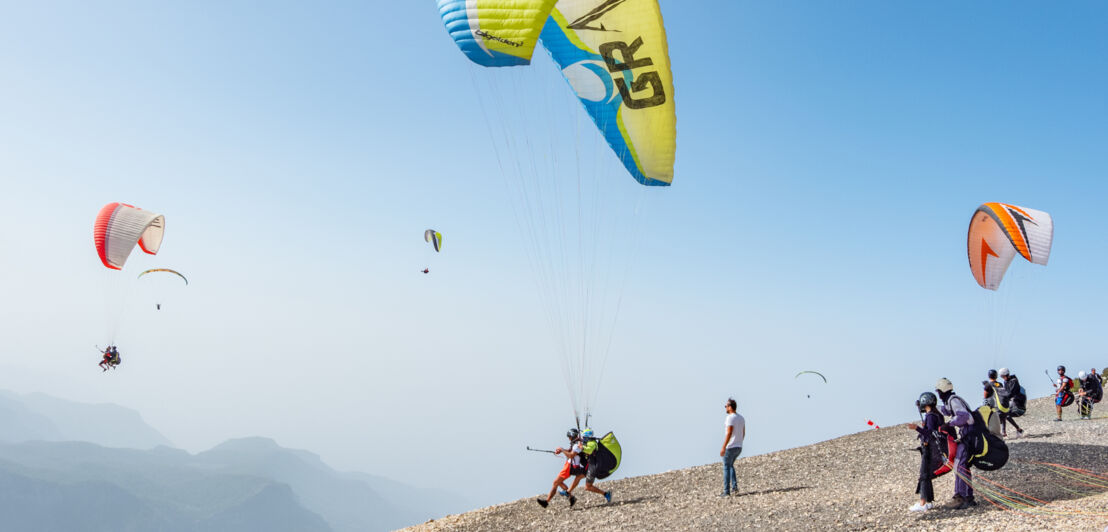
[
  {"x": 1093, "y": 394},
  {"x": 111, "y": 358},
  {"x": 605, "y": 458},
  {"x": 1017, "y": 405},
  {"x": 987, "y": 451},
  {"x": 1065, "y": 396}
]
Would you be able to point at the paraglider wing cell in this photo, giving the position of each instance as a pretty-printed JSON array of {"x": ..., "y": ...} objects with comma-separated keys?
[
  {"x": 496, "y": 33},
  {"x": 616, "y": 59}
]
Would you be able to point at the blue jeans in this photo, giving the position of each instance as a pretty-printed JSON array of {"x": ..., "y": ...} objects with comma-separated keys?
[{"x": 730, "y": 482}]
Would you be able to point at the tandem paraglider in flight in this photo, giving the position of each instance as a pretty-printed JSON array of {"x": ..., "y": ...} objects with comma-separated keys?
[
  {"x": 578, "y": 199},
  {"x": 118, "y": 228}
]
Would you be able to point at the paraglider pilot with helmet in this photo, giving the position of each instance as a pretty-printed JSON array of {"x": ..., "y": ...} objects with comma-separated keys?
[{"x": 111, "y": 358}]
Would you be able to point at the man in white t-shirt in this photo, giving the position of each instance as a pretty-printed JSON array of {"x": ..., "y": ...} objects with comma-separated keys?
[{"x": 734, "y": 432}]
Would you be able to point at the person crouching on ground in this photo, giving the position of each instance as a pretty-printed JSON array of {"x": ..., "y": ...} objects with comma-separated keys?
[
  {"x": 930, "y": 456},
  {"x": 734, "y": 432},
  {"x": 1009, "y": 395},
  {"x": 1090, "y": 392},
  {"x": 574, "y": 467},
  {"x": 958, "y": 410}
]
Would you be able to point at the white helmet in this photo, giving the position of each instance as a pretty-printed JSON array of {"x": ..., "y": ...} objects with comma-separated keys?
[
  {"x": 1003, "y": 372},
  {"x": 1081, "y": 375}
]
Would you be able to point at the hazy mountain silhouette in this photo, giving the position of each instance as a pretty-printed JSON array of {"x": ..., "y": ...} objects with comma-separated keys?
[
  {"x": 123, "y": 482},
  {"x": 42, "y": 417}
]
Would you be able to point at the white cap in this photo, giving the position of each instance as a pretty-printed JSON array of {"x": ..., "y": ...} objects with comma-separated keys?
[{"x": 1003, "y": 372}]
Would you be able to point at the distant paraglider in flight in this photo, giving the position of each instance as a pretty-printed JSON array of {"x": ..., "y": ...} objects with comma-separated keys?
[
  {"x": 816, "y": 373},
  {"x": 158, "y": 304},
  {"x": 435, "y": 239},
  {"x": 809, "y": 372}
]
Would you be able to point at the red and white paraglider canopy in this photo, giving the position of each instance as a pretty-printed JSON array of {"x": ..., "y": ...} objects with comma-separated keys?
[{"x": 120, "y": 226}]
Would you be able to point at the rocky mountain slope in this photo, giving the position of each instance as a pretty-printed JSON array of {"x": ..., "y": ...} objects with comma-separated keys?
[{"x": 862, "y": 481}]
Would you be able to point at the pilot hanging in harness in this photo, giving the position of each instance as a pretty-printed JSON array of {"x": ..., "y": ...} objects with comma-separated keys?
[{"x": 111, "y": 358}]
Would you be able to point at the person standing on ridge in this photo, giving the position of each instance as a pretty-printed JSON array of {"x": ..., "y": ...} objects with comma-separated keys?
[
  {"x": 734, "y": 431},
  {"x": 1062, "y": 394},
  {"x": 961, "y": 416},
  {"x": 1011, "y": 398},
  {"x": 930, "y": 457},
  {"x": 573, "y": 467}
]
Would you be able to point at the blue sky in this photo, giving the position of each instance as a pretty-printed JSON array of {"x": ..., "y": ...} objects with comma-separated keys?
[{"x": 829, "y": 158}]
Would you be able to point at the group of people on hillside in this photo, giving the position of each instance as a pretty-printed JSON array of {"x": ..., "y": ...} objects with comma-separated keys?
[
  {"x": 951, "y": 432},
  {"x": 1087, "y": 391}
]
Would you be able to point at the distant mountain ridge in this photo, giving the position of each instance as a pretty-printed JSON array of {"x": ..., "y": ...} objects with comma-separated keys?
[
  {"x": 126, "y": 476},
  {"x": 38, "y": 416}
]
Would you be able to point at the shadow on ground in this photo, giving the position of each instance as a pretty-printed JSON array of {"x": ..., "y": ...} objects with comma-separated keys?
[
  {"x": 617, "y": 502},
  {"x": 778, "y": 490},
  {"x": 1033, "y": 437}
]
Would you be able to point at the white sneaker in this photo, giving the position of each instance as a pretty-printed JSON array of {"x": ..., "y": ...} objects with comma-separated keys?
[{"x": 917, "y": 507}]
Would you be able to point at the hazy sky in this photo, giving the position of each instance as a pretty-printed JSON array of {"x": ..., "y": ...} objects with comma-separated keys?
[{"x": 829, "y": 158}]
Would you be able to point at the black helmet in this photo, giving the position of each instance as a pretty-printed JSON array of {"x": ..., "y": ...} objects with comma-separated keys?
[
  {"x": 926, "y": 399},
  {"x": 992, "y": 373},
  {"x": 573, "y": 434},
  {"x": 1062, "y": 369}
]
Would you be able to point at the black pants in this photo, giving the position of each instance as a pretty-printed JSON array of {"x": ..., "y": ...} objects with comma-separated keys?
[
  {"x": 1005, "y": 419},
  {"x": 929, "y": 461}
]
